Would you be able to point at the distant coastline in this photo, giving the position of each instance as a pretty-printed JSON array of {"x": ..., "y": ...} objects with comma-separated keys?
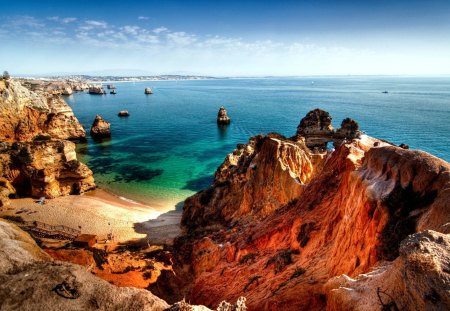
[{"x": 109, "y": 78}]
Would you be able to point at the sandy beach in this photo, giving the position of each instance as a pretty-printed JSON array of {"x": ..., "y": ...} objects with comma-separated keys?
[{"x": 99, "y": 212}]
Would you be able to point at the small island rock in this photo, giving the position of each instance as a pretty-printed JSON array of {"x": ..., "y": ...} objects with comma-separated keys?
[
  {"x": 100, "y": 128},
  {"x": 123, "y": 113},
  {"x": 222, "y": 117},
  {"x": 97, "y": 90},
  {"x": 148, "y": 90}
]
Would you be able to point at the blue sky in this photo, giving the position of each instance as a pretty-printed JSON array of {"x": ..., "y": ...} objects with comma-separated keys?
[{"x": 226, "y": 38}]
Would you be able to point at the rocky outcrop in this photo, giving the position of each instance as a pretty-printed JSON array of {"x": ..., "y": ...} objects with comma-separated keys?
[
  {"x": 44, "y": 168},
  {"x": 17, "y": 249},
  {"x": 96, "y": 90},
  {"x": 25, "y": 114},
  {"x": 29, "y": 280},
  {"x": 67, "y": 91},
  {"x": 316, "y": 128},
  {"x": 352, "y": 215},
  {"x": 100, "y": 128},
  {"x": 349, "y": 130},
  {"x": 317, "y": 131},
  {"x": 36, "y": 159},
  {"x": 416, "y": 280},
  {"x": 148, "y": 90},
  {"x": 253, "y": 181},
  {"x": 222, "y": 117}
]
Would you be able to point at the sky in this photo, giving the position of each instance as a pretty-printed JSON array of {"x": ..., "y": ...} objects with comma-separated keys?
[{"x": 226, "y": 38}]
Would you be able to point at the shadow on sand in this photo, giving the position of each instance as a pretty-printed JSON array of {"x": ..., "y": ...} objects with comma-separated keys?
[{"x": 163, "y": 229}]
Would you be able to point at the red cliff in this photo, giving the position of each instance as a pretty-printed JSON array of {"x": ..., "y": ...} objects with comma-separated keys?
[{"x": 279, "y": 232}]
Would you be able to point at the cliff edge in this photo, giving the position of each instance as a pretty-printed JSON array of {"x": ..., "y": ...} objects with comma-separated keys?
[
  {"x": 37, "y": 158},
  {"x": 301, "y": 229}
]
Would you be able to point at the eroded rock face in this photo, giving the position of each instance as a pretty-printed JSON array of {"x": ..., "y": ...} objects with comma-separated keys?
[
  {"x": 351, "y": 215},
  {"x": 316, "y": 128},
  {"x": 416, "y": 280},
  {"x": 222, "y": 117},
  {"x": 17, "y": 249},
  {"x": 29, "y": 280},
  {"x": 25, "y": 114},
  {"x": 100, "y": 128},
  {"x": 253, "y": 181},
  {"x": 349, "y": 130},
  {"x": 96, "y": 90},
  {"x": 44, "y": 168}
]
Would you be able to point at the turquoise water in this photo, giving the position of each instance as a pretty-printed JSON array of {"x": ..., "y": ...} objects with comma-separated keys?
[{"x": 170, "y": 145}]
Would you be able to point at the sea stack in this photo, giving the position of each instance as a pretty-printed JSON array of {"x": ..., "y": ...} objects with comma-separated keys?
[
  {"x": 222, "y": 117},
  {"x": 148, "y": 90},
  {"x": 96, "y": 90},
  {"x": 123, "y": 113},
  {"x": 316, "y": 128},
  {"x": 100, "y": 128}
]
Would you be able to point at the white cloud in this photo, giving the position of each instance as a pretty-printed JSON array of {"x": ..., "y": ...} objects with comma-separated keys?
[
  {"x": 181, "y": 38},
  {"x": 133, "y": 30},
  {"x": 160, "y": 29},
  {"x": 168, "y": 50},
  {"x": 143, "y": 18},
  {"x": 68, "y": 20},
  {"x": 25, "y": 21},
  {"x": 94, "y": 23}
]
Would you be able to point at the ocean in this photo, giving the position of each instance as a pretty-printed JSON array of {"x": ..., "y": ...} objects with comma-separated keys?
[{"x": 170, "y": 145}]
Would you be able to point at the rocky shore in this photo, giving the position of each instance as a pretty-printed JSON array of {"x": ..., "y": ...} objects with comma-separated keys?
[{"x": 293, "y": 226}]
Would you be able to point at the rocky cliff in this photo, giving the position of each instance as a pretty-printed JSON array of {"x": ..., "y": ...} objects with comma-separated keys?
[
  {"x": 347, "y": 213},
  {"x": 37, "y": 158},
  {"x": 25, "y": 114},
  {"x": 44, "y": 168},
  {"x": 252, "y": 182}
]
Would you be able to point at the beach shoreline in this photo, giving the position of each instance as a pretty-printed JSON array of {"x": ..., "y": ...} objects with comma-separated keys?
[{"x": 101, "y": 213}]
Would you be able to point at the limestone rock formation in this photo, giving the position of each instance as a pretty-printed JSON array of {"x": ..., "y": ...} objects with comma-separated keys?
[
  {"x": 100, "y": 128},
  {"x": 316, "y": 128},
  {"x": 349, "y": 130},
  {"x": 35, "y": 159},
  {"x": 148, "y": 90},
  {"x": 44, "y": 168},
  {"x": 416, "y": 280},
  {"x": 17, "y": 249},
  {"x": 222, "y": 117},
  {"x": 252, "y": 182},
  {"x": 30, "y": 281},
  {"x": 67, "y": 91},
  {"x": 96, "y": 90},
  {"x": 6, "y": 191},
  {"x": 25, "y": 114},
  {"x": 352, "y": 215}
]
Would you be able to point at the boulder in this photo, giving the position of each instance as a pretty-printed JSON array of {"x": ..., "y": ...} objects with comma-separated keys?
[
  {"x": 100, "y": 128},
  {"x": 148, "y": 90},
  {"x": 222, "y": 117}
]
